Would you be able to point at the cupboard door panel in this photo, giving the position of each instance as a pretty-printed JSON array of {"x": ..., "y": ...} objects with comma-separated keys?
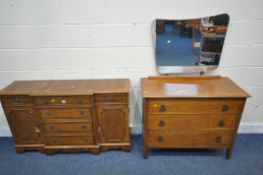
[{"x": 113, "y": 123}]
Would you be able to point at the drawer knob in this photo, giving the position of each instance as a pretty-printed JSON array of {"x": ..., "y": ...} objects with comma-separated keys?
[
  {"x": 48, "y": 113},
  {"x": 162, "y": 108},
  {"x": 218, "y": 139},
  {"x": 17, "y": 99},
  {"x": 55, "y": 140},
  {"x": 85, "y": 140},
  {"x": 82, "y": 113},
  {"x": 225, "y": 108},
  {"x": 52, "y": 127},
  {"x": 160, "y": 139},
  {"x": 161, "y": 123},
  {"x": 221, "y": 123},
  {"x": 84, "y": 126},
  {"x": 37, "y": 129},
  {"x": 63, "y": 101}
]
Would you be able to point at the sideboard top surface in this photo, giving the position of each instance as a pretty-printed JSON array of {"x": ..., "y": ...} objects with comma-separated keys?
[
  {"x": 67, "y": 87},
  {"x": 191, "y": 86}
]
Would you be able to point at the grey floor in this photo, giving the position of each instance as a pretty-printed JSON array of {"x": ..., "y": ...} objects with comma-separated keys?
[{"x": 247, "y": 160}]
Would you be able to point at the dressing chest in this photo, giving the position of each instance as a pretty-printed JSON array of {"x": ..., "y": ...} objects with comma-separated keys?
[
  {"x": 68, "y": 115},
  {"x": 191, "y": 112}
]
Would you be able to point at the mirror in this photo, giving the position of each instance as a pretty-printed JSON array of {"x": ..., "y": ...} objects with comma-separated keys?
[{"x": 189, "y": 46}]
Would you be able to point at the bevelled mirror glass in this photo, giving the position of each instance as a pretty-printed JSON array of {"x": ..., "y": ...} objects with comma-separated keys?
[{"x": 189, "y": 46}]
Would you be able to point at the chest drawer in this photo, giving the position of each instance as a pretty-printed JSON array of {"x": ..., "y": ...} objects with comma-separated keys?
[
  {"x": 62, "y": 100},
  {"x": 70, "y": 140},
  {"x": 68, "y": 127},
  {"x": 190, "y": 121},
  {"x": 66, "y": 113},
  {"x": 195, "y": 106},
  {"x": 16, "y": 100},
  {"x": 190, "y": 139},
  {"x": 111, "y": 98}
]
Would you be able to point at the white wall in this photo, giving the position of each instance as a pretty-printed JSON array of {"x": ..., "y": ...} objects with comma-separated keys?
[{"x": 82, "y": 39}]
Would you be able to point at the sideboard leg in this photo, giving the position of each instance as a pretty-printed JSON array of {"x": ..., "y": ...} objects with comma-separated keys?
[
  {"x": 145, "y": 152},
  {"x": 229, "y": 153}
]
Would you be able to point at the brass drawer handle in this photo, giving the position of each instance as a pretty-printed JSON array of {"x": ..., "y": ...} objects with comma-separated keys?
[
  {"x": 225, "y": 108},
  {"x": 221, "y": 123},
  {"x": 160, "y": 139},
  {"x": 63, "y": 101},
  {"x": 85, "y": 140},
  {"x": 84, "y": 126},
  {"x": 162, "y": 108},
  {"x": 37, "y": 129},
  {"x": 81, "y": 113},
  {"x": 51, "y": 127},
  {"x": 48, "y": 113},
  {"x": 218, "y": 139},
  {"x": 161, "y": 123}
]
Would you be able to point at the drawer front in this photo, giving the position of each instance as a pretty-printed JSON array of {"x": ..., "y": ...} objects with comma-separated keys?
[
  {"x": 68, "y": 127},
  {"x": 70, "y": 140},
  {"x": 114, "y": 98},
  {"x": 190, "y": 139},
  {"x": 195, "y": 106},
  {"x": 62, "y": 100},
  {"x": 186, "y": 121},
  {"x": 66, "y": 113},
  {"x": 16, "y": 100}
]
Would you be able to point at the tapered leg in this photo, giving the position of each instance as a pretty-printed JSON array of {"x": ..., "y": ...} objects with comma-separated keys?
[
  {"x": 145, "y": 152},
  {"x": 229, "y": 153}
]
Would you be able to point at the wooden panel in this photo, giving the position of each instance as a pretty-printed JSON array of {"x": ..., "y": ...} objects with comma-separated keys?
[
  {"x": 24, "y": 125},
  {"x": 111, "y": 98},
  {"x": 16, "y": 100},
  {"x": 195, "y": 106},
  {"x": 70, "y": 140},
  {"x": 66, "y": 113},
  {"x": 178, "y": 122},
  {"x": 69, "y": 126},
  {"x": 113, "y": 123},
  {"x": 62, "y": 100},
  {"x": 190, "y": 139}
]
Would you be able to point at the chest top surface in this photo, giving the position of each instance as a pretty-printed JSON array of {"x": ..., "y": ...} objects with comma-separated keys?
[
  {"x": 191, "y": 86},
  {"x": 67, "y": 87}
]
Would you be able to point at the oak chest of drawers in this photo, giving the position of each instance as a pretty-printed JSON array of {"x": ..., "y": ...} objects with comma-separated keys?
[
  {"x": 68, "y": 115},
  {"x": 191, "y": 112}
]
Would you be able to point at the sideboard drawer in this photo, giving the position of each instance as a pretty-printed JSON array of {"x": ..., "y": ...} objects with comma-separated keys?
[
  {"x": 66, "y": 113},
  {"x": 62, "y": 100},
  {"x": 117, "y": 98},
  {"x": 68, "y": 127},
  {"x": 190, "y": 139},
  {"x": 70, "y": 140},
  {"x": 16, "y": 100},
  {"x": 195, "y": 106},
  {"x": 190, "y": 121}
]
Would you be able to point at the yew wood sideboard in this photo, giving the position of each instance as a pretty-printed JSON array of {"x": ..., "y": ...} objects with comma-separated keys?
[
  {"x": 68, "y": 115},
  {"x": 191, "y": 112}
]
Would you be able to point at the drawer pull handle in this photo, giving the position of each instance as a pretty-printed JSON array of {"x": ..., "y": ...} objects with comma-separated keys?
[
  {"x": 48, "y": 113},
  {"x": 37, "y": 128},
  {"x": 52, "y": 127},
  {"x": 161, "y": 123},
  {"x": 85, "y": 140},
  {"x": 84, "y": 126},
  {"x": 221, "y": 123},
  {"x": 162, "y": 108},
  {"x": 17, "y": 99},
  {"x": 160, "y": 139},
  {"x": 82, "y": 113},
  {"x": 63, "y": 101},
  {"x": 225, "y": 108},
  {"x": 218, "y": 139}
]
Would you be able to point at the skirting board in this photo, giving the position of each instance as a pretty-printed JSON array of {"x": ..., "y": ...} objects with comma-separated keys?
[{"x": 256, "y": 128}]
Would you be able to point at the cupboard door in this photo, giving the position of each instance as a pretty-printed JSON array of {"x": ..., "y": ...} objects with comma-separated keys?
[
  {"x": 113, "y": 123},
  {"x": 24, "y": 125}
]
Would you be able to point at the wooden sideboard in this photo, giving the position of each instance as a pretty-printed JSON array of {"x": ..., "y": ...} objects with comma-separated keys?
[
  {"x": 191, "y": 112},
  {"x": 68, "y": 115}
]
